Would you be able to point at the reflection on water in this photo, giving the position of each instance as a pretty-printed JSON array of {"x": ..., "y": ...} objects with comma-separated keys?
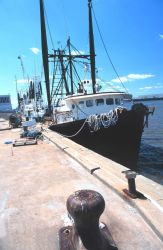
[{"x": 150, "y": 162}]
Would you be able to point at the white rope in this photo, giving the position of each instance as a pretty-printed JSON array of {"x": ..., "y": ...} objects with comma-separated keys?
[
  {"x": 106, "y": 119},
  {"x": 95, "y": 122},
  {"x": 69, "y": 136}
]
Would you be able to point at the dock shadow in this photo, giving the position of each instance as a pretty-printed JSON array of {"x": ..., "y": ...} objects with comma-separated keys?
[{"x": 3, "y": 129}]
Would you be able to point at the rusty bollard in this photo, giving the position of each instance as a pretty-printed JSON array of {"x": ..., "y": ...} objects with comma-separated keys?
[
  {"x": 130, "y": 176},
  {"x": 86, "y": 207},
  {"x": 131, "y": 191}
]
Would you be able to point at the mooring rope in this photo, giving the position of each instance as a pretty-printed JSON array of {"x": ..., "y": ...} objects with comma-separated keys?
[
  {"x": 95, "y": 122},
  {"x": 69, "y": 136}
]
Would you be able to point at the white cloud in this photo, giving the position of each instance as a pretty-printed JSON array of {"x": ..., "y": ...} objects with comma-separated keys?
[
  {"x": 161, "y": 36},
  {"x": 35, "y": 50},
  {"x": 100, "y": 69},
  {"x": 147, "y": 87},
  {"x": 139, "y": 76},
  {"x": 151, "y": 87},
  {"x": 121, "y": 79},
  {"x": 132, "y": 77},
  {"x": 110, "y": 83},
  {"x": 22, "y": 81},
  {"x": 73, "y": 52}
]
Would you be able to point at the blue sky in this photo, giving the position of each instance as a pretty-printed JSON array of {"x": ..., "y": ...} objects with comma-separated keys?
[{"x": 132, "y": 32}]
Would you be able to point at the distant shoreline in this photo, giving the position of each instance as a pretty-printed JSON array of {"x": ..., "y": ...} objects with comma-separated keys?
[{"x": 148, "y": 99}]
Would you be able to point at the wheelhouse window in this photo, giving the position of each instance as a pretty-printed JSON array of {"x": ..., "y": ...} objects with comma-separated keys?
[
  {"x": 99, "y": 102},
  {"x": 81, "y": 104},
  {"x": 89, "y": 103},
  {"x": 117, "y": 101},
  {"x": 109, "y": 101}
]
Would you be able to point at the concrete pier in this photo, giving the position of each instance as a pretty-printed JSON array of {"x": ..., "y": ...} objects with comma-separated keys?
[{"x": 36, "y": 180}]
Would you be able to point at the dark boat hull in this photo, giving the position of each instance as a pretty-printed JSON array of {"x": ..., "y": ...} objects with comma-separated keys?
[{"x": 120, "y": 142}]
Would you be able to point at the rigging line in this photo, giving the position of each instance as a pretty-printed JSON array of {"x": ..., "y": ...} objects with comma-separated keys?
[
  {"x": 80, "y": 65},
  {"x": 77, "y": 75},
  {"x": 75, "y": 48},
  {"x": 107, "y": 52},
  {"x": 52, "y": 85},
  {"x": 81, "y": 62},
  {"x": 48, "y": 27},
  {"x": 55, "y": 64},
  {"x": 74, "y": 77},
  {"x": 55, "y": 93},
  {"x": 60, "y": 82},
  {"x": 114, "y": 88}
]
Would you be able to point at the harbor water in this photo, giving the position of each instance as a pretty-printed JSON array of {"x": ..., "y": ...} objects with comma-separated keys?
[{"x": 150, "y": 162}]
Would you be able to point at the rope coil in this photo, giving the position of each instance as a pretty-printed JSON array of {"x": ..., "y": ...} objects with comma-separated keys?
[{"x": 104, "y": 120}]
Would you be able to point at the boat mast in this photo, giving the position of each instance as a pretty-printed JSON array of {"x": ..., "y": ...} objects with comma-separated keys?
[
  {"x": 70, "y": 61},
  {"x": 45, "y": 54},
  {"x": 92, "y": 48},
  {"x": 60, "y": 56}
]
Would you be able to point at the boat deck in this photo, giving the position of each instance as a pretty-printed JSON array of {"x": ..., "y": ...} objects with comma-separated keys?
[{"x": 36, "y": 181}]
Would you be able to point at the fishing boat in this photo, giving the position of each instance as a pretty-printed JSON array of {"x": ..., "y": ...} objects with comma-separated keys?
[
  {"x": 30, "y": 100},
  {"x": 106, "y": 122}
]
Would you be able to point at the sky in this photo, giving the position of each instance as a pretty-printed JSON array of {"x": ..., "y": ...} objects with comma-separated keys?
[{"x": 132, "y": 32}]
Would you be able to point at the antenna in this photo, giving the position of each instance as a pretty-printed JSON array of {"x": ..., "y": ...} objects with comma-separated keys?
[
  {"x": 16, "y": 84},
  {"x": 21, "y": 61}
]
